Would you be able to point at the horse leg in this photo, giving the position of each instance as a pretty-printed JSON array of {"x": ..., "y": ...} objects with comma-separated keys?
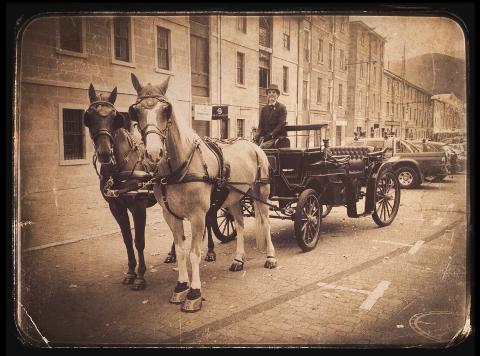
[
  {"x": 211, "y": 255},
  {"x": 139, "y": 213},
  {"x": 193, "y": 303},
  {"x": 171, "y": 257},
  {"x": 182, "y": 287},
  {"x": 239, "y": 260},
  {"x": 120, "y": 214},
  {"x": 262, "y": 222}
]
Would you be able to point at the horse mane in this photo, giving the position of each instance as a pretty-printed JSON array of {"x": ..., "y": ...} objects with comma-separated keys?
[{"x": 186, "y": 133}]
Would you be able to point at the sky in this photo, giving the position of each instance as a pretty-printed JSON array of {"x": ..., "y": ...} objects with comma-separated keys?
[{"x": 419, "y": 34}]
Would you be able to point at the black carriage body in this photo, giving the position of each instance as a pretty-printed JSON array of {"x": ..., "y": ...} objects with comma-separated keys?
[{"x": 337, "y": 184}]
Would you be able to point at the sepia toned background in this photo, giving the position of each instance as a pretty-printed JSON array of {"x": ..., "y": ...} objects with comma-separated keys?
[{"x": 365, "y": 75}]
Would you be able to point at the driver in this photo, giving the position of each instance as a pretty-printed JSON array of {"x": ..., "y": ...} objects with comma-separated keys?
[{"x": 273, "y": 119}]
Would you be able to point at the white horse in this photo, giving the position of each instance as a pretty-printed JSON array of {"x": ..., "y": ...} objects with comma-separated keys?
[{"x": 181, "y": 161}]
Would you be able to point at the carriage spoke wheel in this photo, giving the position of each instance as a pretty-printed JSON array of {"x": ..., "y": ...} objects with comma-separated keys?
[
  {"x": 223, "y": 227},
  {"x": 387, "y": 199},
  {"x": 308, "y": 219}
]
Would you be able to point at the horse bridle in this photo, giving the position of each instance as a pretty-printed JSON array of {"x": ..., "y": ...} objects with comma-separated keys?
[
  {"x": 152, "y": 128},
  {"x": 101, "y": 132}
]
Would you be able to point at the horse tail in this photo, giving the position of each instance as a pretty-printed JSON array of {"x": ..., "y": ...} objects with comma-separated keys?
[{"x": 261, "y": 189}]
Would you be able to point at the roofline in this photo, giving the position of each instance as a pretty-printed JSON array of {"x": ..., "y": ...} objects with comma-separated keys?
[
  {"x": 370, "y": 29},
  {"x": 389, "y": 72}
]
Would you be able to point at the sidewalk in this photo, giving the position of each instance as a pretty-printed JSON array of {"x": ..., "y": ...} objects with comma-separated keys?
[{"x": 64, "y": 216}]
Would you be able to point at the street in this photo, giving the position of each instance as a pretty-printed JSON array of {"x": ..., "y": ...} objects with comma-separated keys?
[{"x": 401, "y": 285}]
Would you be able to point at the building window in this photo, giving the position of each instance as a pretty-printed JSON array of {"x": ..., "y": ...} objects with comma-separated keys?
[
  {"x": 285, "y": 79},
  {"x": 71, "y": 32},
  {"x": 319, "y": 90},
  {"x": 240, "y": 68},
  {"x": 340, "y": 94},
  {"x": 73, "y": 134},
  {"x": 374, "y": 74},
  {"x": 242, "y": 24},
  {"x": 199, "y": 55},
  {"x": 330, "y": 94},
  {"x": 263, "y": 75},
  {"x": 163, "y": 48},
  {"x": 320, "y": 50},
  {"x": 121, "y": 39},
  {"x": 305, "y": 95},
  {"x": 373, "y": 103},
  {"x": 361, "y": 70},
  {"x": 306, "y": 46},
  {"x": 342, "y": 60},
  {"x": 286, "y": 33},
  {"x": 343, "y": 25},
  {"x": 388, "y": 85},
  {"x": 330, "y": 59},
  {"x": 240, "y": 128},
  {"x": 360, "y": 100},
  {"x": 265, "y": 31},
  {"x": 388, "y": 107}
]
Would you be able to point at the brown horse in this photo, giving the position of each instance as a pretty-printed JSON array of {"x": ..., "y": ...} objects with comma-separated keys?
[
  {"x": 120, "y": 150},
  {"x": 185, "y": 168}
]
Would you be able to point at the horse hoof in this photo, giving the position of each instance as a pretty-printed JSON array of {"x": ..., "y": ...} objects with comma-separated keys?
[
  {"x": 235, "y": 267},
  {"x": 138, "y": 284},
  {"x": 129, "y": 278},
  {"x": 211, "y": 256},
  {"x": 180, "y": 293},
  {"x": 170, "y": 259},
  {"x": 192, "y": 305},
  {"x": 270, "y": 264}
]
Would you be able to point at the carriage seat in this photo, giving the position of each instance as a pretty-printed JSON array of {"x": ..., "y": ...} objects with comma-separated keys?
[
  {"x": 356, "y": 153},
  {"x": 291, "y": 162}
]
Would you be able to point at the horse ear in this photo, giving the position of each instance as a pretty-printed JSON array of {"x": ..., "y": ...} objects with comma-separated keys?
[
  {"x": 132, "y": 113},
  {"x": 113, "y": 96},
  {"x": 135, "y": 82},
  {"x": 91, "y": 93},
  {"x": 164, "y": 86}
]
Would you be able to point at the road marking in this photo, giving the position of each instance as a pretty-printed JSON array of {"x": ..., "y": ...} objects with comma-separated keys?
[
  {"x": 392, "y": 242},
  {"x": 271, "y": 303},
  {"x": 416, "y": 247},
  {"x": 375, "y": 295},
  {"x": 437, "y": 221},
  {"x": 333, "y": 286}
]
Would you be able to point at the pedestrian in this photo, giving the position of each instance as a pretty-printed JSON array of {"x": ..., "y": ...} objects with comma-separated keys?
[{"x": 271, "y": 130}]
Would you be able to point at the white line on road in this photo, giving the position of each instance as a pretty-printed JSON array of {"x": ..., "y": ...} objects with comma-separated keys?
[
  {"x": 416, "y": 247},
  {"x": 392, "y": 242},
  {"x": 333, "y": 286},
  {"x": 375, "y": 295}
]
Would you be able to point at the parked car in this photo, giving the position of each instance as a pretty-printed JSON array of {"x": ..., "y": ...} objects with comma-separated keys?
[
  {"x": 453, "y": 159},
  {"x": 412, "y": 166}
]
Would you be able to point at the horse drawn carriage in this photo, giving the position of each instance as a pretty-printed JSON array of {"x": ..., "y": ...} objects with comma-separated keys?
[
  {"x": 151, "y": 155},
  {"x": 304, "y": 182}
]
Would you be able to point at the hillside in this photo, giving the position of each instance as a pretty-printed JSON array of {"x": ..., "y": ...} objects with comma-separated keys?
[{"x": 435, "y": 72}]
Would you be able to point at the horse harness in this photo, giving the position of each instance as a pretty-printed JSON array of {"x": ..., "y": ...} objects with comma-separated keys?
[{"x": 115, "y": 177}]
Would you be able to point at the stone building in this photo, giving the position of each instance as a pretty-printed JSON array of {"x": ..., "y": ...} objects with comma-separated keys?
[
  {"x": 448, "y": 114},
  {"x": 364, "y": 87},
  {"x": 406, "y": 108},
  {"x": 212, "y": 60},
  {"x": 323, "y": 79}
]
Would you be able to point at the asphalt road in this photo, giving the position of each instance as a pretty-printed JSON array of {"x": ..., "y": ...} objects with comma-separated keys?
[{"x": 401, "y": 285}]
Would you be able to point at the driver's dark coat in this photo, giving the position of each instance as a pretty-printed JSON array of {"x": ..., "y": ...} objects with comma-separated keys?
[{"x": 272, "y": 121}]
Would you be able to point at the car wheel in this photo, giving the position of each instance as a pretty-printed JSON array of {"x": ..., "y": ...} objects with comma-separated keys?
[{"x": 407, "y": 177}]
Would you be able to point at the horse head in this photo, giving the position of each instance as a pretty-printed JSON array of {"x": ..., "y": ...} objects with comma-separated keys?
[
  {"x": 152, "y": 111},
  {"x": 102, "y": 120}
]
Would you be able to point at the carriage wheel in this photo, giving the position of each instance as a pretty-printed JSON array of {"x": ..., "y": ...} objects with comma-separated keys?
[
  {"x": 308, "y": 219},
  {"x": 326, "y": 209},
  {"x": 223, "y": 226},
  {"x": 387, "y": 199}
]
